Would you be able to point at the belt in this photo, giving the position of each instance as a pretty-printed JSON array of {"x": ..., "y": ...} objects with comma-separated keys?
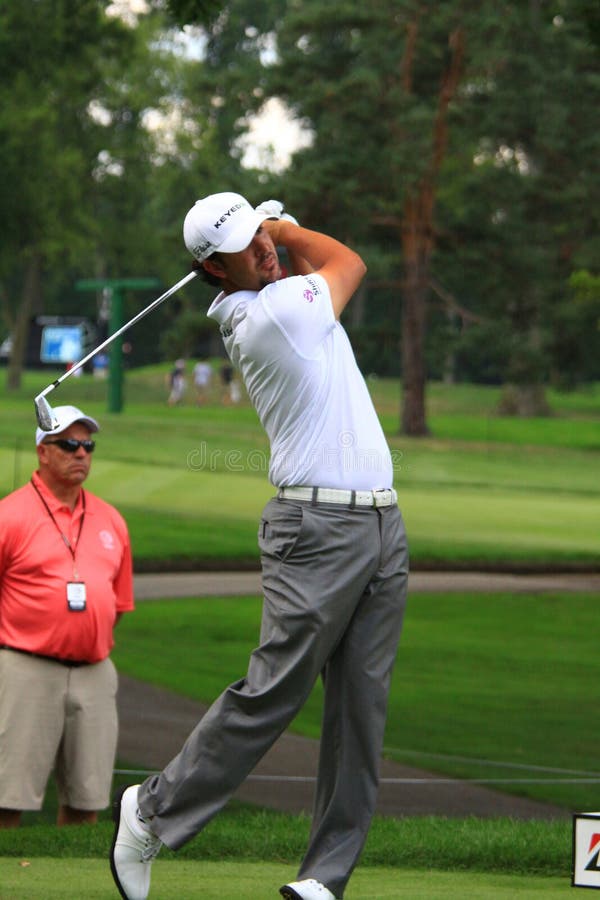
[
  {"x": 335, "y": 495},
  {"x": 71, "y": 663}
]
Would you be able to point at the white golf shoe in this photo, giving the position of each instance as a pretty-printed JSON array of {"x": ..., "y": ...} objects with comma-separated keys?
[
  {"x": 133, "y": 848},
  {"x": 309, "y": 889}
]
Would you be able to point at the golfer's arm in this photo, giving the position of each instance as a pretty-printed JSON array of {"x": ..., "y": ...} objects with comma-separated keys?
[
  {"x": 341, "y": 267},
  {"x": 298, "y": 264}
]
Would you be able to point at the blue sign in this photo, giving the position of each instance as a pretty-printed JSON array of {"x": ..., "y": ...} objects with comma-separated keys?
[{"x": 61, "y": 344}]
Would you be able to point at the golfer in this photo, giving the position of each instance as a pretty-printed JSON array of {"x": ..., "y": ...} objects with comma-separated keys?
[{"x": 333, "y": 553}]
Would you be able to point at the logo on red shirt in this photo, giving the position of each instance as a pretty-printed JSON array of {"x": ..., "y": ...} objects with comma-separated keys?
[{"x": 107, "y": 540}]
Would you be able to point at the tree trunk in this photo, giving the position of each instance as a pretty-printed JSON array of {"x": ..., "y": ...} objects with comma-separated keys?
[
  {"x": 29, "y": 297},
  {"x": 524, "y": 393},
  {"x": 418, "y": 238},
  {"x": 416, "y": 270}
]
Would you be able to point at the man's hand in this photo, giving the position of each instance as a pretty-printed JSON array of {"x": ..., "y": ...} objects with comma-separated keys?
[
  {"x": 277, "y": 229},
  {"x": 275, "y": 210}
]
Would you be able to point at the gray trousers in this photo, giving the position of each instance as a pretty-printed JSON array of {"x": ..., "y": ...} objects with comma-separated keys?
[{"x": 334, "y": 582}]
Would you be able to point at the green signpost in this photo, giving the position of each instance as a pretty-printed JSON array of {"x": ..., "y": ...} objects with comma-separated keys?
[{"x": 116, "y": 288}]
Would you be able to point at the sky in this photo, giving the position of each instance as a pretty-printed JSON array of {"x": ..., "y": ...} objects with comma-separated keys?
[{"x": 273, "y": 134}]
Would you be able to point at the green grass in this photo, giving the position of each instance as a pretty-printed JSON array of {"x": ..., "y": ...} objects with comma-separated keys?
[
  {"x": 53, "y": 879},
  {"x": 501, "y": 679},
  {"x": 507, "y": 679},
  {"x": 247, "y": 852},
  {"x": 244, "y": 833},
  {"x": 482, "y": 491},
  {"x": 549, "y": 432},
  {"x": 175, "y": 513}
]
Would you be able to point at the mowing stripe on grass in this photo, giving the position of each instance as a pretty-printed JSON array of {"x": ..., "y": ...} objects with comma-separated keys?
[{"x": 90, "y": 879}]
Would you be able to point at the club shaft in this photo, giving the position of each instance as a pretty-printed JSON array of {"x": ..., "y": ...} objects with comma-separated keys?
[{"x": 112, "y": 337}]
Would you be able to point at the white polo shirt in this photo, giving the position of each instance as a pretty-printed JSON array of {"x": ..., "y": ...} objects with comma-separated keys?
[{"x": 301, "y": 375}]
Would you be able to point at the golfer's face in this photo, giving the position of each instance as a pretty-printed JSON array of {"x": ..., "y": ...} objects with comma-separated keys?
[{"x": 253, "y": 268}]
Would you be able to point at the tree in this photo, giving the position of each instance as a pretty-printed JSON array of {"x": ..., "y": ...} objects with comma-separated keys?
[
  {"x": 418, "y": 227},
  {"x": 456, "y": 151},
  {"x": 574, "y": 343},
  {"x": 384, "y": 84},
  {"x": 90, "y": 188},
  {"x": 472, "y": 135},
  {"x": 537, "y": 175},
  {"x": 48, "y": 76}
]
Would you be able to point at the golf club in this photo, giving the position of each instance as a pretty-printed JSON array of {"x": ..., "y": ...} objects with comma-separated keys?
[{"x": 43, "y": 411}]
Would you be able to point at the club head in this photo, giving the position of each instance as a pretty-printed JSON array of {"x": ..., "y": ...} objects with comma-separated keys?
[{"x": 44, "y": 414}]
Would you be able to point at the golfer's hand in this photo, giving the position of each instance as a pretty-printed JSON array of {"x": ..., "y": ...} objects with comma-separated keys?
[{"x": 275, "y": 210}]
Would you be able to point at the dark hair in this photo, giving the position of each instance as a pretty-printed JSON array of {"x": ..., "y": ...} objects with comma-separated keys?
[{"x": 208, "y": 277}]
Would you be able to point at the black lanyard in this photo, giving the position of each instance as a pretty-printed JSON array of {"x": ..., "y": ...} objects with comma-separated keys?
[{"x": 72, "y": 549}]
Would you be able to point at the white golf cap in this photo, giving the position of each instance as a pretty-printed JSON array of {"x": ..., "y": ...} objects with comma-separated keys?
[
  {"x": 224, "y": 222},
  {"x": 65, "y": 416}
]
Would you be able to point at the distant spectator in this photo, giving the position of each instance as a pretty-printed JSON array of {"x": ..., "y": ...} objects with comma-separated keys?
[
  {"x": 100, "y": 365},
  {"x": 235, "y": 391},
  {"x": 202, "y": 380},
  {"x": 177, "y": 382},
  {"x": 231, "y": 389}
]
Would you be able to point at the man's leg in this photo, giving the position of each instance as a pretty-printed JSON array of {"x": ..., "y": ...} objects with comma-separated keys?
[
  {"x": 67, "y": 815},
  {"x": 357, "y": 679},
  {"x": 86, "y": 757},
  {"x": 30, "y": 732},
  {"x": 308, "y": 603},
  {"x": 10, "y": 818}
]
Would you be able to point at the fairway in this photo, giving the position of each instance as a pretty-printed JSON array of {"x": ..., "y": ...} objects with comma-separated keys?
[
  {"x": 90, "y": 879},
  {"x": 445, "y": 520},
  {"x": 482, "y": 489}
]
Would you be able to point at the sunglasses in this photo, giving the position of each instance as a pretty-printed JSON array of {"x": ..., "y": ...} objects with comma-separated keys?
[{"x": 71, "y": 445}]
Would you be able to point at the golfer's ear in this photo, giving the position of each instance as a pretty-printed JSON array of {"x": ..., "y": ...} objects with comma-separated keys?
[{"x": 214, "y": 268}]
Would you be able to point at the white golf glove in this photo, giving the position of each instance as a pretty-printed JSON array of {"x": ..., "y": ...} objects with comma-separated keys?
[{"x": 275, "y": 210}]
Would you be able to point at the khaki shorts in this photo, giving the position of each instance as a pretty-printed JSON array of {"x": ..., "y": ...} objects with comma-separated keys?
[{"x": 61, "y": 719}]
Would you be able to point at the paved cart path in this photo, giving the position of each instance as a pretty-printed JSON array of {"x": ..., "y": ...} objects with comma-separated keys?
[
  {"x": 214, "y": 584},
  {"x": 154, "y": 722}
]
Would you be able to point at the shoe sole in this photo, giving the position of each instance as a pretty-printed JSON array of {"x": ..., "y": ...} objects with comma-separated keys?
[
  {"x": 289, "y": 893},
  {"x": 116, "y": 817}
]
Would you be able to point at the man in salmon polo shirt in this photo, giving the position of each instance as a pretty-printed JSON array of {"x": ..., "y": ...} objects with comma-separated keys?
[{"x": 65, "y": 580}]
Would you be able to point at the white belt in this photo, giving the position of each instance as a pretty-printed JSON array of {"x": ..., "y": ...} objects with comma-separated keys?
[{"x": 335, "y": 495}]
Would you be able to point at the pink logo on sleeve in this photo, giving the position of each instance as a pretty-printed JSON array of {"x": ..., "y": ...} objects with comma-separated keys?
[{"x": 309, "y": 296}]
